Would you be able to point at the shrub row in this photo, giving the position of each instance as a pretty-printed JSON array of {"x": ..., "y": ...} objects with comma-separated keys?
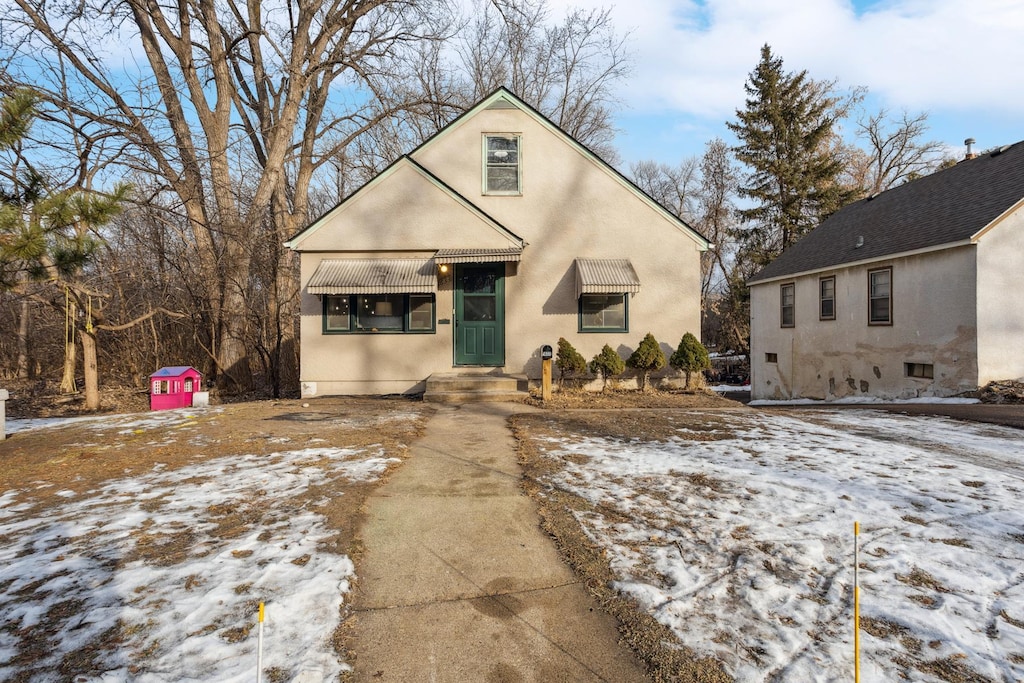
[{"x": 689, "y": 357}]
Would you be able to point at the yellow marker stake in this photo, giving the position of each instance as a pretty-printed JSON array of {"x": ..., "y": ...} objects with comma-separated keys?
[
  {"x": 259, "y": 647},
  {"x": 856, "y": 604}
]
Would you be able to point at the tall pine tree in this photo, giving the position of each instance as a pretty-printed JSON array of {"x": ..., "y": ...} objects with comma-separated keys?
[{"x": 786, "y": 136}]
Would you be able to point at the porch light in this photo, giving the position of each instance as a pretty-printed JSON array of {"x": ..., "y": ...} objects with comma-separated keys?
[{"x": 443, "y": 268}]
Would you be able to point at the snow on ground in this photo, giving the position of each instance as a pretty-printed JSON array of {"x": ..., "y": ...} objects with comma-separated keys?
[
  {"x": 179, "y": 561},
  {"x": 864, "y": 400},
  {"x": 740, "y": 539}
]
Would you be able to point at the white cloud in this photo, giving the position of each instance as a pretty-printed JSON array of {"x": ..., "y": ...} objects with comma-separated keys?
[{"x": 693, "y": 57}]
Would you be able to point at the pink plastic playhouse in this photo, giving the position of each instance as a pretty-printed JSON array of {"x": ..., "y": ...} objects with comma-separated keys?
[{"x": 173, "y": 387}]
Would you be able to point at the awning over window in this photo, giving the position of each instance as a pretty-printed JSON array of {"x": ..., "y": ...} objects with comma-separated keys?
[
  {"x": 477, "y": 255},
  {"x": 605, "y": 276},
  {"x": 374, "y": 276}
]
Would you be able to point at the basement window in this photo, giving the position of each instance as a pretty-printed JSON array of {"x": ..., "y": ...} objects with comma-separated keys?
[
  {"x": 771, "y": 358},
  {"x": 919, "y": 370}
]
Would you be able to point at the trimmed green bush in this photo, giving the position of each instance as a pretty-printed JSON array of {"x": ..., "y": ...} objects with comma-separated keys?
[
  {"x": 647, "y": 358},
  {"x": 569, "y": 361},
  {"x": 607, "y": 364},
  {"x": 690, "y": 357}
]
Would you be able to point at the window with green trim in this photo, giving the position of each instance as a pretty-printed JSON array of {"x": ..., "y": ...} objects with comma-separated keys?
[
  {"x": 501, "y": 165},
  {"x": 604, "y": 313},
  {"x": 379, "y": 313}
]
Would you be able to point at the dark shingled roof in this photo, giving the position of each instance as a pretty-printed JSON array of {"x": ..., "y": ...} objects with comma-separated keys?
[{"x": 945, "y": 207}]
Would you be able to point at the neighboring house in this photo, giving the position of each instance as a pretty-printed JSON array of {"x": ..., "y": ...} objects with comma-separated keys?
[
  {"x": 916, "y": 291},
  {"x": 498, "y": 235}
]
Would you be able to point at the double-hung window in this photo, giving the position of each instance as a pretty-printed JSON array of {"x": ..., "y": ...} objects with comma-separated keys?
[
  {"x": 379, "y": 313},
  {"x": 787, "y": 304},
  {"x": 827, "y": 298},
  {"x": 502, "y": 170},
  {"x": 880, "y": 296},
  {"x": 604, "y": 312}
]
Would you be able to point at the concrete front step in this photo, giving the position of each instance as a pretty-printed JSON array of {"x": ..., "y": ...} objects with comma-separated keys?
[{"x": 469, "y": 388}]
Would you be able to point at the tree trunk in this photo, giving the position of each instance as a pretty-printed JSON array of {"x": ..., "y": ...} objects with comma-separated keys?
[
  {"x": 232, "y": 355},
  {"x": 67, "y": 382},
  {"x": 23, "y": 325},
  {"x": 92, "y": 380}
]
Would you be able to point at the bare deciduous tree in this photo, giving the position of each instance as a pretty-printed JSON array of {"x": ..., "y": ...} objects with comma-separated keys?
[
  {"x": 677, "y": 188},
  {"x": 896, "y": 150},
  {"x": 220, "y": 91}
]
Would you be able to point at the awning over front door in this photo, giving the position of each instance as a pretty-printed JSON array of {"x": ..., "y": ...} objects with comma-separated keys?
[
  {"x": 478, "y": 255},
  {"x": 374, "y": 276},
  {"x": 605, "y": 276}
]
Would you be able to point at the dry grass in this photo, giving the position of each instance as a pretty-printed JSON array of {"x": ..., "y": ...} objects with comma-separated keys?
[
  {"x": 83, "y": 457},
  {"x": 666, "y": 658}
]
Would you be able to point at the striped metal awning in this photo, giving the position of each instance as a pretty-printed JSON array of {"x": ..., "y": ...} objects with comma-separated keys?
[
  {"x": 477, "y": 255},
  {"x": 605, "y": 276},
  {"x": 374, "y": 276}
]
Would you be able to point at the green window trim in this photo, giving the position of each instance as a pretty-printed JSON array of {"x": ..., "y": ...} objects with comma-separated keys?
[
  {"x": 601, "y": 307},
  {"x": 357, "y": 313},
  {"x": 502, "y": 164}
]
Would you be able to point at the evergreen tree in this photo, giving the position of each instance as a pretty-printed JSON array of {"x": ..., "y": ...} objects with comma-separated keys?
[
  {"x": 50, "y": 235},
  {"x": 787, "y": 139},
  {"x": 647, "y": 358},
  {"x": 690, "y": 356},
  {"x": 569, "y": 361},
  {"x": 607, "y": 364}
]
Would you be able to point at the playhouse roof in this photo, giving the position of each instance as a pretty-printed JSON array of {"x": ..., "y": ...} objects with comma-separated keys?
[{"x": 175, "y": 371}]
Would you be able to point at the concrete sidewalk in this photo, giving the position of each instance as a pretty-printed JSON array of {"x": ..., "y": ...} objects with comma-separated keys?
[{"x": 459, "y": 583}]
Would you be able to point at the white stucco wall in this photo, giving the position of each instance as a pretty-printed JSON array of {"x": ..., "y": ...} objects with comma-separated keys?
[
  {"x": 1001, "y": 300},
  {"x": 570, "y": 207},
  {"x": 934, "y": 322}
]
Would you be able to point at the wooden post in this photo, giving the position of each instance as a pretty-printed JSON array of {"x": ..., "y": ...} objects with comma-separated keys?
[
  {"x": 3, "y": 413},
  {"x": 546, "y": 379},
  {"x": 856, "y": 603}
]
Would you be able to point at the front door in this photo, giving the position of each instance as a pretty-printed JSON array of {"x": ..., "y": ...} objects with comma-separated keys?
[{"x": 480, "y": 314}]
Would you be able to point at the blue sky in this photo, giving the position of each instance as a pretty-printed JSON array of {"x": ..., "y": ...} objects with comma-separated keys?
[{"x": 961, "y": 61}]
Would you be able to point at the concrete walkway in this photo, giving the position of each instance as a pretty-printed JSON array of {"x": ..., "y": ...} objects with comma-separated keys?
[{"x": 459, "y": 583}]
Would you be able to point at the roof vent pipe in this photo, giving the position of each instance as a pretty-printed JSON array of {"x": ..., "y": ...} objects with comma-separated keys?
[{"x": 970, "y": 153}]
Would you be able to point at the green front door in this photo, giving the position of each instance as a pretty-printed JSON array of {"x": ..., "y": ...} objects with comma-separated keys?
[{"x": 480, "y": 314}]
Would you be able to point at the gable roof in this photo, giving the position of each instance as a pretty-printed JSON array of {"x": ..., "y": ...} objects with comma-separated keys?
[
  {"x": 501, "y": 98},
  {"x": 174, "y": 371},
  {"x": 402, "y": 162},
  {"x": 947, "y": 208},
  {"x": 504, "y": 98}
]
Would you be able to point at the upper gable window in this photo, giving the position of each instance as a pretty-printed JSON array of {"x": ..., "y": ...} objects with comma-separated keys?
[{"x": 502, "y": 174}]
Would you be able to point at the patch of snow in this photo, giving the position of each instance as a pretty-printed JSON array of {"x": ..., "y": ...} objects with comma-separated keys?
[
  {"x": 864, "y": 400},
  {"x": 144, "y": 555},
  {"x": 729, "y": 387},
  {"x": 35, "y": 423},
  {"x": 743, "y": 544}
]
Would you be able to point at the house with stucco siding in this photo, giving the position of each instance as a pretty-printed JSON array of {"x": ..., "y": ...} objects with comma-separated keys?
[
  {"x": 914, "y": 292},
  {"x": 492, "y": 239}
]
